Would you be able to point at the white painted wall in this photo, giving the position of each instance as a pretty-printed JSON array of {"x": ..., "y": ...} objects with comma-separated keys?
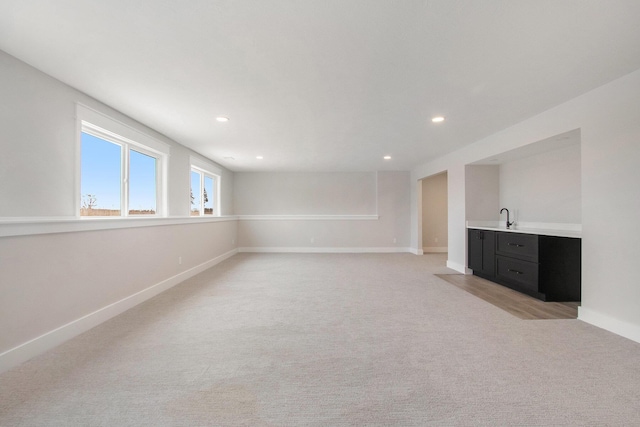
[
  {"x": 74, "y": 280},
  {"x": 327, "y": 233},
  {"x": 610, "y": 154},
  {"x": 39, "y": 160},
  {"x": 482, "y": 192},
  {"x": 53, "y": 286},
  {"x": 301, "y": 193},
  {"x": 434, "y": 213},
  {"x": 457, "y": 218},
  {"x": 51, "y": 280},
  {"x": 543, "y": 188}
]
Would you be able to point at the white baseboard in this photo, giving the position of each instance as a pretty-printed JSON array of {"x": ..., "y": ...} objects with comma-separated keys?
[
  {"x": 618, "y": 327},
  {"x": 51, "y": 339},
  {"x": 435, "y": 249},
  {"x": 319, "y": 250},
  {"x": 416, "y": 251},
  {"x": 457, "y": 267}
]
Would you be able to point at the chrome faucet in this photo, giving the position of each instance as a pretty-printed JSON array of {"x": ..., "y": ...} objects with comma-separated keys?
[{"x": 509, "y": 224}]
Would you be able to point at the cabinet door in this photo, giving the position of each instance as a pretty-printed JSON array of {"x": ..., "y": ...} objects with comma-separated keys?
[
  {"x": 489, "y": 253},
  {"x": 475, "y": 249},
  {"x": 481, "y": 254},
  {"x": 560, "y": 268}
]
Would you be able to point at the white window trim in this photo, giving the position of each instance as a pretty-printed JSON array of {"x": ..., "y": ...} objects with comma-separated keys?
[
  {"x": 102, "y": 126},
  {"x": 206, "y": 168}
]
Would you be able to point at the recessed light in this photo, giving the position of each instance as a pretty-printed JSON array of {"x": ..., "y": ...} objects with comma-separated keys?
[
  {"x": 222, "y": 119},
  {"x": 259, "y": 157},
  {"x": 387, "y": 157},
  {"x": 229, "y": 158},
  {"x": 437, "y": 119}
]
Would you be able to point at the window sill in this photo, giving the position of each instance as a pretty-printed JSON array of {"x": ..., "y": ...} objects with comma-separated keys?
[{"x": 30, "y": 226}]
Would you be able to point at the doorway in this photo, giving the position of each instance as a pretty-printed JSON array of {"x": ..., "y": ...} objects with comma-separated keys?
[{"x": 435, "y": 219}]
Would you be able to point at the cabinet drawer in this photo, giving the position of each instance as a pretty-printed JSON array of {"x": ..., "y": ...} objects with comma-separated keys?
[
  {"x": 521, "y": 273},
  {"x": 524, "y": 246}
]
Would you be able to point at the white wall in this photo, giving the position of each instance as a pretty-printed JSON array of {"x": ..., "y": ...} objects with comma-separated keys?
[
  {"x": 300, "y": 193},
  {"x": 457, "y": 218},
  {"x": 610, "y": 154},
  {"x": 58, "y": 278},
  {"x": 349, "y": 221},
  {"x": 434, "y": 213},
  {"x": 39, "y": 161},
  {"x": 52, "y": 280},
  {"x": 482, "y": 192},
  {"x": 55, "y": 285},
  {"x": 543, "y": 188}
]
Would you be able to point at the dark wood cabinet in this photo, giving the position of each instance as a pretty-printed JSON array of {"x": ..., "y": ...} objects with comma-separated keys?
[
  {"x": 482, "y": 252},
  {"x": 521, "y": 246},
  {"x": 520, "y": 275},
  {"x": 545, "y": 267},
  {"x": 517, "y": 262},
  {"x": 560, "y": 268}
]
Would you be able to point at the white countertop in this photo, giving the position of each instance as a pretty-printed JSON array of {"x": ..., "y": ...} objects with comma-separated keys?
[{"x": 541, "y": 228}]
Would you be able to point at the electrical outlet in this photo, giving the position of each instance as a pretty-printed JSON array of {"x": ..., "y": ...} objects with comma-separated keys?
[
  {"x": 179, "y": 260},
  {"x": 435, "y": 240},
  {"x": 233, "y": 241},
  {"x": 313, "y": 240},
  {"x": 395, "y": 240}
]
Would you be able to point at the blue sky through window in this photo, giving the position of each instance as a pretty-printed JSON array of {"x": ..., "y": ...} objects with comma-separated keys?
[
  {"x": 208, "y": 188},
  {"x": 101, "y": 176},
  {"x": 142, "y": 183},
  {"x": 195, "y": 192}
]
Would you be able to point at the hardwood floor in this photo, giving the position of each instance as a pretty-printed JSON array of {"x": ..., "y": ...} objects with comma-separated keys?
[{"x": 516, "y": 303}]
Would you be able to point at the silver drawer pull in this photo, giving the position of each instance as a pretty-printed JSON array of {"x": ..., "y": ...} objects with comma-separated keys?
[
  {"x": 515, "y": 244},
  {"x": 514, "y": 271}
]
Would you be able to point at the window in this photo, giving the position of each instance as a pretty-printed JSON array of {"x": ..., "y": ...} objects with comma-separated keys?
[
  {"x": 205, "y": 189},
  {"x": 143, "y": 173},
  {"x": 101, "y": 177},
  {"x": 119, "y": 176}
]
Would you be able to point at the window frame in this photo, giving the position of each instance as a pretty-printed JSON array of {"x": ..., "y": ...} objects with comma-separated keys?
[
  {"x": 205, "y": 169},
  {"x": 96, "y": 124}
]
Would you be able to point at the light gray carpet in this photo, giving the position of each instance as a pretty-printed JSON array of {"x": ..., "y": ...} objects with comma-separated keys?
[{"x": 327, "y": 340}]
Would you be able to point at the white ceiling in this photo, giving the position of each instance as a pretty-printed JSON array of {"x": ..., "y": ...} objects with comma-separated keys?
[{"x": 326, "y": 85}]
